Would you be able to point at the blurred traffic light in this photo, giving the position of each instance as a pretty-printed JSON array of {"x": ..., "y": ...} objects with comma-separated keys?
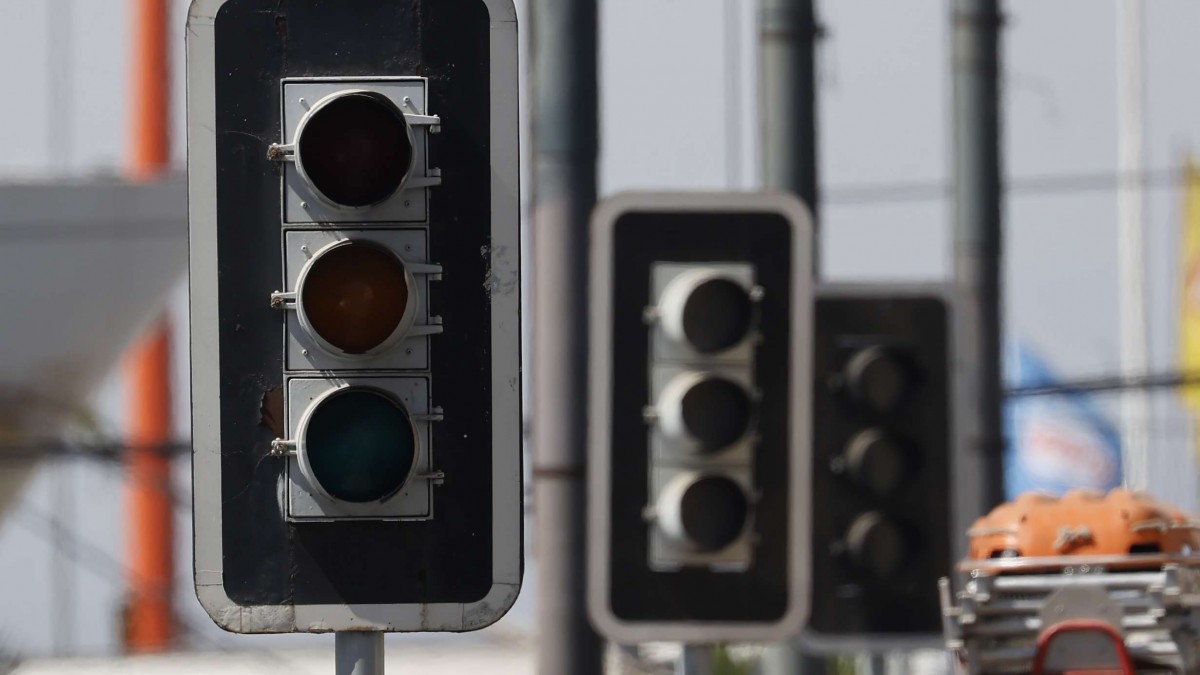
[
  {"x": 701, "y": 314},
  {"x": 882, "y": 452}
]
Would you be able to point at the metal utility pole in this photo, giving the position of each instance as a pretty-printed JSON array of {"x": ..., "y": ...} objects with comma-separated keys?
[
  {"x": 975, "y": 26},
  {"x": 151, "y": 616},
  {"x": 788, "y": 33},
  {"x": 358, "y": 653},
  {"x": 566, "y": 144}
]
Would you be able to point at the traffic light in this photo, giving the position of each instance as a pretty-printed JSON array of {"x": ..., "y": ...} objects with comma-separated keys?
[
  {"x": 353, "y": 187},
  {"x": 700, "y": 324},
  {"x": 881, "y": 465}
]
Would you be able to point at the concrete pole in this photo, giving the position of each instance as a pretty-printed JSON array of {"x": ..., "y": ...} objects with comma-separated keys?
[
  {"x": 565, "y": 146},
  {"x": 977, "y": 256},
  {"x": 1131, "y": 240}
]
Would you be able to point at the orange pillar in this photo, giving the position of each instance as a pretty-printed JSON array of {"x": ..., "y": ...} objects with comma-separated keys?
[{"x": 150, "y": 624}]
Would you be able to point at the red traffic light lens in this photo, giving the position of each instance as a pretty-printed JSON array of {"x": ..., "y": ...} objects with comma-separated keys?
[
  {"x": 354, "y": 296},
  {"x": 717, "y": 315},
  {"x": 360, "y": 445},
  {"x": 356, "y": 150}
]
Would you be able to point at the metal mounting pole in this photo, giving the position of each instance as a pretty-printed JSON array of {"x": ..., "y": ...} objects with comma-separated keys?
[
  {"x": 788, "y": 35},
  {"x": 566, "y": 144},
  {"x": 358, "y": 653},
  {"x": 977, "y": 256},
  {"x": 695, "y": 660}
]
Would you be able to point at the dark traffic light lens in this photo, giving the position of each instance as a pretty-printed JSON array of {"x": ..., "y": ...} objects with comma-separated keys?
[
  {"x": 716, "y": 412},
  {"x": 356, "y": 149},
  {"x": 713, "y": 513},
  {"x": 717, "y": 315},
  {"x": 876, "y": 545},
  {"x": 360, "y": 445},
  {"x": 875, "y": 461},
  {"x": 877, "y": 379},
  {"x": 355, "y": 296}
]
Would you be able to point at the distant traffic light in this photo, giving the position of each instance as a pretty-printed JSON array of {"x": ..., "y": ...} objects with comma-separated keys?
[
  {"x": 353, "y": 189},
  {"x": 881, "y": 466},
  {"x": 700, "y": 329}
]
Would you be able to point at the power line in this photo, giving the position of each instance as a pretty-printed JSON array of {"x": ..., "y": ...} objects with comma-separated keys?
[
  {"x": 867, "y": 194},
  {"x": 1174, "y": 380}
]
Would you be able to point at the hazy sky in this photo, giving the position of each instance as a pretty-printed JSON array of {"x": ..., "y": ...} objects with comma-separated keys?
[{"x": 678, "y": 111}]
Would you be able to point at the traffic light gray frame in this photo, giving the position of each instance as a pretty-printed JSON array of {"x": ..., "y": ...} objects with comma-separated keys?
[
  {"x": 965, "y": 481},
  {"x": 604, "y": 219},
  {"x": 506, "y": 358}
]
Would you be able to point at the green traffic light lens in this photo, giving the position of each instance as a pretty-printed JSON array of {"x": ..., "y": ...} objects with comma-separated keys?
[
  {"x": 717, "y": 316},
  {"x": 360, "y": 445},
  {"x": 356, "y": 149},
  {"x": 355, "y": 296},
  {"x": 713, "y": 513}
]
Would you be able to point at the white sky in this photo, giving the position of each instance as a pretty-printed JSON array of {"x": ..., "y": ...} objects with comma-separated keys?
[{"x": 665, "y": 87}]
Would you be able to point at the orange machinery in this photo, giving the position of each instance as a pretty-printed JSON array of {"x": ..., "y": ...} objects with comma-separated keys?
[{"x": 1049, "y": 582}]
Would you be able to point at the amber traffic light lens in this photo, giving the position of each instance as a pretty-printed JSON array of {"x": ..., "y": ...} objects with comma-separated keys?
[
  {"x": 356, "y": 149},
  {"x": 717, "y": 316},
  {"x": 355, "y": 296}
]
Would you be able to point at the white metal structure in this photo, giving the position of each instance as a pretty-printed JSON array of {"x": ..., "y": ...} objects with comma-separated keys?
[{"x": 89, "y": 262}]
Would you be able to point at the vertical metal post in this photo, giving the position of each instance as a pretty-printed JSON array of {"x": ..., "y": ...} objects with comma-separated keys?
[
  {"x": 695, "y": 660},
  {"x": 788, "y": 34},
  {"x": 358, "y": 653},
  {"x": 566, "y": 144},
  {"x": 977, "y": 256}
]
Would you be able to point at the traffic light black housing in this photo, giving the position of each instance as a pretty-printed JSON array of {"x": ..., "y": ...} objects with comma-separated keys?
[
  {"x": 355, "y": 275},
  {"x": 881, "y": 464},
  {"x": 701, "y": 307}
]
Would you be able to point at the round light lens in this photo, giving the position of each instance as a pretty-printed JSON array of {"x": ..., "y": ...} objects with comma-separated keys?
[
  {"x": 716, "y": 412},
  {"x": 876, "y": 545},
  {"x": 360, "y": 445},
  {"x": 717, "y": 315},
  {"x": 355, "y": 296},
  {"x": 356, "y": 149},
  {"x": 877, "y": 379},
  {"x": 713, "y": 512}
]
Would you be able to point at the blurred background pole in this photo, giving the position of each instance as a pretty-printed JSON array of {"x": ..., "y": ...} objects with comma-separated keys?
[
  {"x": 788, "y": 35},
  {"x": 565, "y": 147},
  {"x": 149, "y": 620},
  {"x": 1131, "y": 240},
  {"x": 978, "y": 242},
  {"x": 695, "y": 660}
]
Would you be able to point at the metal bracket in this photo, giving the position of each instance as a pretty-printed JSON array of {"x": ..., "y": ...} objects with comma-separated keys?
[
  {"x": 283, "y": 300},
  {"x": 416, "y": 118},
  {"x": 435, "y": 415},
  {"x": 435, "y": 477},
  {"x": 281, "y": 152},
  {"x": 283, "y": 448}
]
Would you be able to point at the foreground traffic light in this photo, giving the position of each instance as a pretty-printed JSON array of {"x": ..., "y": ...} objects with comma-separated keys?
[
  {"x": 700, "y": 327},
  {"x": 355, "y": 313},
  {"x": 881, "y": 464}
]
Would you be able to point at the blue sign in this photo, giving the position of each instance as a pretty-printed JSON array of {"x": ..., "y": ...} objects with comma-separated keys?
[{"x": 1056, "y": 442}]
